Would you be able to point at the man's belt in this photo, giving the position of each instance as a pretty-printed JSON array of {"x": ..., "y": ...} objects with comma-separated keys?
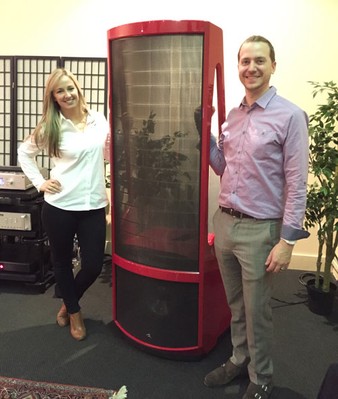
[{"x": 234, "y": 213}]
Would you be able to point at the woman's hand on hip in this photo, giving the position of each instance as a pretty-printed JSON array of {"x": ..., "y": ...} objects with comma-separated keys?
[{"x": 51, "y": 186}]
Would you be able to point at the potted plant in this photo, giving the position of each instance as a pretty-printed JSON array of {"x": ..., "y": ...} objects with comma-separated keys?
[{"x": 322, "y": 204}]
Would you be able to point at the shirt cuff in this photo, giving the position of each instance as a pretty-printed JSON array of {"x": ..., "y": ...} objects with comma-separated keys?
[
  {"x": 292, "y": 234},
  {"x": 290, "y": 242}
]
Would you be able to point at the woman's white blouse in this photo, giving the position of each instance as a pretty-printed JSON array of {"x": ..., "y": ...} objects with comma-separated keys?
[{"x": 80, "y": 170}]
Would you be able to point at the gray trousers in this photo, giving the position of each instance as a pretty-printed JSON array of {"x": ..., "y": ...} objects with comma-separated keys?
[{"x": 242, "y": 246}]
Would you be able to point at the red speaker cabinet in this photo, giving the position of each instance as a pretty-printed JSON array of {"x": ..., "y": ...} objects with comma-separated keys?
[{"x": 168, "y": 295}]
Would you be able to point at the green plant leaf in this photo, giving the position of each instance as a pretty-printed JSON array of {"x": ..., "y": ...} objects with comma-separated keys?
[{"x": 321, "y": 210}]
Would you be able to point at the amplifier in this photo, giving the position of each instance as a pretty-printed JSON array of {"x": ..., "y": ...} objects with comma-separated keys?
[
  {"x": 20, "y": 213},
  {"x": 20, "y": 221},
  {"x": 24, "y": 247},
  {"x": 19, "y": 258},
  {"x": 13, "y": 178},
  {"x": 22, "y": 262}
]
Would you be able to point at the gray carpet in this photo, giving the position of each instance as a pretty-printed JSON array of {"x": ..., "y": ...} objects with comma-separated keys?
[{"x": 33, "y": 347}]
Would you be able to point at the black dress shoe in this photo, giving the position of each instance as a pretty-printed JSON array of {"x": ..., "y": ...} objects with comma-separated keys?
[{"x": 255, "y": 391}]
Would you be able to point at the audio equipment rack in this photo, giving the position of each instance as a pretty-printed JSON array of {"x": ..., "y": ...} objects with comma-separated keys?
[{"x": 24, "y": 247}]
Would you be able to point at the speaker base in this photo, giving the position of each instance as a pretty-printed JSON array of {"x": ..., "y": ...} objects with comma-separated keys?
[{"x": 191, "y": 354}]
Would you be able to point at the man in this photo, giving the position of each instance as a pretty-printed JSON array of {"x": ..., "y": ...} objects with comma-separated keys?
[{"x": 262, "y": 156}]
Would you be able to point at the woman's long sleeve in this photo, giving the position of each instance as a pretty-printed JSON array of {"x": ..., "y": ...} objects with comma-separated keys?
[{"x": 27, "y": 153}]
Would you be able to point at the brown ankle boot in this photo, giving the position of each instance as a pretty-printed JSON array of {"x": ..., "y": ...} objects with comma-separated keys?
[
  {"x": 77, "y": 327},
  {"x": 62, "y": 318}
]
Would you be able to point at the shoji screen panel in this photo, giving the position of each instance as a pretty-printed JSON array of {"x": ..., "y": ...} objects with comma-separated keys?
[
  {"x": 22, "y": 83},
  {"x": 5, "y": 110},
  {"x": 91, "y": 74},
  {"x": 30, "y": 78}
]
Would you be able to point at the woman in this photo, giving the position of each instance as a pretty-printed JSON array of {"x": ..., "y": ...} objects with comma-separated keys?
[{"x": 76, "y": 140}]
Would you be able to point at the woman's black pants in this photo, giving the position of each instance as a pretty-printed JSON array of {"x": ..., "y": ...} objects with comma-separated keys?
[{"x": 61, "y": 226}]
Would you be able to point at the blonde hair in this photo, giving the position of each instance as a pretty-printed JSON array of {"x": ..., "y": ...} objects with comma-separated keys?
[{"x": 47, "y": 132}]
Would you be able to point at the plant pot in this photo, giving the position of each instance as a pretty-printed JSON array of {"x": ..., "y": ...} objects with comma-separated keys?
[{"x": 320, "y": 302}]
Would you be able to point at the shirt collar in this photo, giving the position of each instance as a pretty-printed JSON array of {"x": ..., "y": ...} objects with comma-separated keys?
[
  {"x": 89, "y": 116},
  {"x": 262, "y": 101}
]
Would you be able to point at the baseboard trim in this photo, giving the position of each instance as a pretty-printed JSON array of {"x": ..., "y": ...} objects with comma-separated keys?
[
  {"x": 303, "y": 262},
  {"x": 308, "y": 263}
]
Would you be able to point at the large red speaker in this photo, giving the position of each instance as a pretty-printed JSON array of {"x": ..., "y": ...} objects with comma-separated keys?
[{"x": 168, "y": 296}]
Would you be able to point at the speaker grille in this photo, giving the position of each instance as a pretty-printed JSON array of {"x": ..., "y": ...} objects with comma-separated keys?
[{"x": 158, "y": 312}]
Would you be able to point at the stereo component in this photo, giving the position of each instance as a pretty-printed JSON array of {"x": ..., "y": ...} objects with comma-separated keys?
[
  {"x": 24, "y": 247},
  {"x": 168, "y": 295},
  {"x": 15, "y": 221},
  {"x": 13, "y": 178}
]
